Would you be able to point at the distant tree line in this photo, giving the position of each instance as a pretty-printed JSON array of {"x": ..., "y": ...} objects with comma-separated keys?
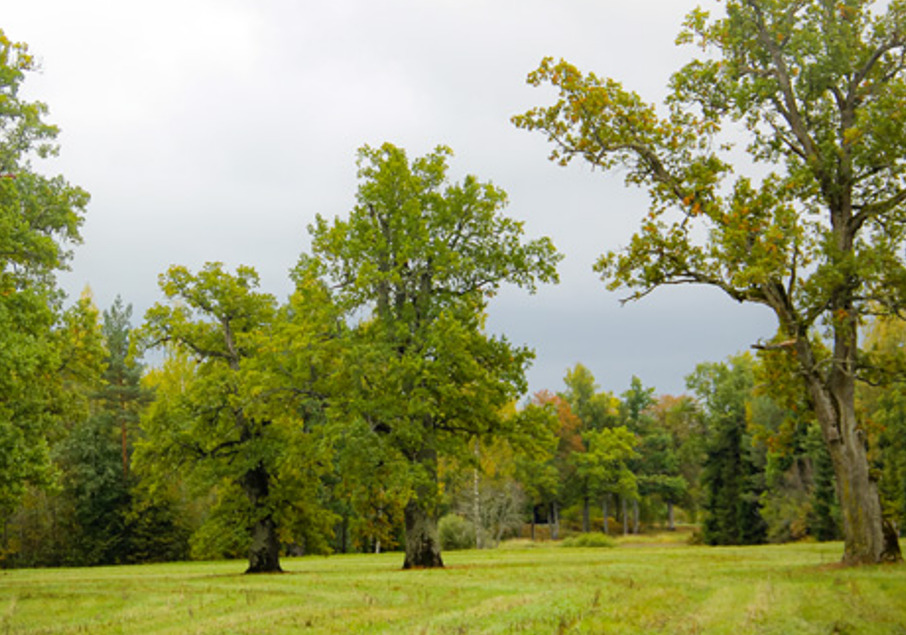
[{"x": 139, "y": 473}]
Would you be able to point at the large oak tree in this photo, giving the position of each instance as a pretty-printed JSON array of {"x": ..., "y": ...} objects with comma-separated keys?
[
  {"x": 245, "y": 420},
  {"x": 815, "y": 233},
  {"x": 414, "y": 264}
]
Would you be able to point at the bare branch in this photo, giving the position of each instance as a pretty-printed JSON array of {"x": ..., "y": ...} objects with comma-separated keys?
[
  {"x": 775, "y": 346},
  {"x": 876, "y": 209}
]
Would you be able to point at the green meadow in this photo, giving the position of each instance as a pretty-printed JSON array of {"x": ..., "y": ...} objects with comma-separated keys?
[{"x": 646, "y": 585}]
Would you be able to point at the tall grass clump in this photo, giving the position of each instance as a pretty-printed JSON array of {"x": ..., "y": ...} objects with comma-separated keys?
[{"x": 590, "y": 540}]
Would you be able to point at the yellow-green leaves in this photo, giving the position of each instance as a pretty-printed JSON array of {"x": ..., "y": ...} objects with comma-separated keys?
[
  {"x": 40, "y": 218},
  {"x": 815, "y": 233},
  {"x": 246, "y": 414}
]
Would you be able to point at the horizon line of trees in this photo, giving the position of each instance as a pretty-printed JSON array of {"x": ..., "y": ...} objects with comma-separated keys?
[{"x": 739, "y": 457}]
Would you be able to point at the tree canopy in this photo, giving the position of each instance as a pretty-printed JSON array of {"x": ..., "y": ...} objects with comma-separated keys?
[
  {"x": 815, "y": 232},
  {"x": 243, "y": 419},
  {"x": 416, "y": 260},
  {"x": 40, "y": 217}
]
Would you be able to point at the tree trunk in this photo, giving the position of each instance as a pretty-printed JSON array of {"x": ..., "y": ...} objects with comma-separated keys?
[
  {"x": 422, "y": 542},
  {"x": 124, "y": 440},
  {"x": 554, "y": 522},
  {"x": 625, "y": 516},
  {"x": 264, "y": 552},
  {"x": 671, "y": 523},
  {"x": 868, "y": 538},
  {"x": 635, "y": 516},
  {"x": 585, "y": 516},
  {"x": 605, "y": 511},
  {"x": 476, "y": 493}
]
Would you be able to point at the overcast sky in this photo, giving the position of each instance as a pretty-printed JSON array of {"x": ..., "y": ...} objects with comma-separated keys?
[{"x": 217, "y": 129}]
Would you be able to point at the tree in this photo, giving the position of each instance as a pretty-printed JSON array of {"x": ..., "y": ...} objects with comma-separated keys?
[
  {"x": 97, "y": 450},
  {"x": 816, "y": 235},
  {"x": 122, "y": 395},
  {"x": 604, "y": 467},
  {"x": 650, "y": 459},
  {"x": 540, "y": 472},
  {"x": 596, "y": 409},
  {"x": 595, "y": 412},
  {"x": 39, "y": 217},
  {"x": 244, "y": 421},
  {"x": 47, "y": 526},
  {"x": 681, "y": 418},
  {"x": 731, "y": 479},
  {"x": 416, "y": 260}
]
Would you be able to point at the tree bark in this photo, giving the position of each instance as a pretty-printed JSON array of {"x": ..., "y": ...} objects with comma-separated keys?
[
  {"x": 476, "y": 493},
  {"x": 422, "y": 542},
  {"x": 264, "y": 552},
  {"x": 671, "y": 523},
  {"x": 625, "y": 516},
  {"x": 635, "y": 516},
  {"x": 585, "y": 515},
  {"x": 605, "y": 511},
  {"x": 868, "y": 537}
]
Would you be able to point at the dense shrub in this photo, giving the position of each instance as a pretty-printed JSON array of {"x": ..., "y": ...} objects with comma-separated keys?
[{"x": 456, "y": 533}]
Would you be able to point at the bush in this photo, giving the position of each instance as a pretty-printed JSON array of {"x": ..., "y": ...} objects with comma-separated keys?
[
  {"x": 591, "y": 540},
  {"x": 456, "y": 532}
]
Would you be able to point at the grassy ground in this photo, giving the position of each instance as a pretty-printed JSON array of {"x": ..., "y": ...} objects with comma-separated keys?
[{"x": 642, "y": 586}]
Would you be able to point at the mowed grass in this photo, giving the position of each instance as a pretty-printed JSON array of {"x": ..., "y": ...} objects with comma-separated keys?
[{"x": 654, "y": 586}]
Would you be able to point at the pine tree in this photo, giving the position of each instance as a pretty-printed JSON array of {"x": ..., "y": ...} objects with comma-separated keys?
[{"x": 731, "y": 478}]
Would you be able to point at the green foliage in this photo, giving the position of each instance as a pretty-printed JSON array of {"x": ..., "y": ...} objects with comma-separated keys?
[
  {"x": 817, "y": 235},
  {"x": 824, "y": 517},
  {"x": 245, "y": 415},
  {"x": 731, "y": 477},
  {"x": 455, "y": 533},
  {"x": 414, "y": 264},
  {"x": 681, "y": 419},
  {"x": 605, "y": 465},
  {"x": 884, "y": 409},
  {"x": 595, "y": 409},
  {"x": 40, "y": 217}
]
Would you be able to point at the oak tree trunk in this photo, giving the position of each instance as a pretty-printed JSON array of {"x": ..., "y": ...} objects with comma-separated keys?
[
  {"x": 422, "y": 542},
  {"x": 264, "y": 551},
  {"x": 868, "y": 538}
]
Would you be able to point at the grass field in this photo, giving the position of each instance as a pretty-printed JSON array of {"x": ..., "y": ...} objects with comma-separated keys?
[{"x": 643, "y": 586}]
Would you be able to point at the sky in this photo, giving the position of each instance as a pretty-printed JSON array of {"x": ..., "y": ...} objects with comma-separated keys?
[{"x": 215, "y": 130}]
